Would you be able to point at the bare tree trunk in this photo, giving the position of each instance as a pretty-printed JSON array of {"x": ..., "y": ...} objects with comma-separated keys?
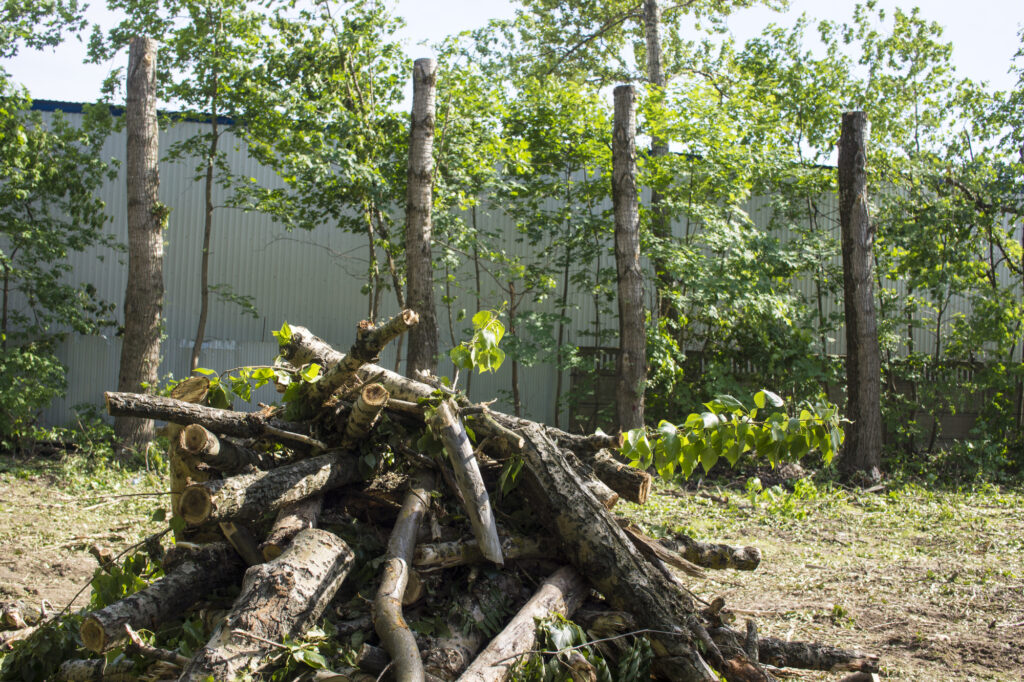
[
  {"x": 631, "y": 372},
  {"x": 862, "y": 452},
  {"x": 418, "y": 228},
  {"x": 144, "y": 292},
  {"x": 660, "y": 225}
]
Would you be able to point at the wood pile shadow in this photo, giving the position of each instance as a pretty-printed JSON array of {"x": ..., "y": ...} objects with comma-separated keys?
[{"x": 374, "y": 500}]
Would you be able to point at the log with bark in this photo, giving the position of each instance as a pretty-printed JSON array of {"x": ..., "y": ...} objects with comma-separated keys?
[
  {"x": 249, "y": 496},
  {"x": 387, "y": 607},
  {"x": 188, "y": 577},
  {"x": 279, "y": 599}
]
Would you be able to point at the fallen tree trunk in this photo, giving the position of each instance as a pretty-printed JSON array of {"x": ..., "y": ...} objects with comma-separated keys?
[
  {"x": 221, "y": 454},
  {"x": 279, "y": 599},
  {"x": 439, "y": 555},
  {"x": 227, "y": 422},
  {"x": 714, "y": 555},
  {"x": 814, "y": 656},
  {"x": 249, "y": 496},
  {"x": 562, "y": 593},
  {"x": 453, "y": 436},
  {"x": 291, "y": 520},
  {"x": 593, "y": 542},
  {"x": 394, "y": 633},
  {"x": 187, "y": 579}
]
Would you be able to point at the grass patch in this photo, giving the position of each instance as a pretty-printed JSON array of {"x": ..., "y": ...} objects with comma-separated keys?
[{"x": 931, "y": 580}]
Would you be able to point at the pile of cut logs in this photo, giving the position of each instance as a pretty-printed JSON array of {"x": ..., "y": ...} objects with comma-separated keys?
[{"x": 375, "y": 500}]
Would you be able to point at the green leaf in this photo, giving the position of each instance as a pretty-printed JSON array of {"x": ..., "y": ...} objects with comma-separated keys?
[
  {"x": 159, "y": 514},
  {"x": 461, "y": 357},
  {"x": 311, "y": 373},
  {"x": 481, "y": 318},
  {"x": 207, "y": 372},
  {"x": 313, "y": 659}
]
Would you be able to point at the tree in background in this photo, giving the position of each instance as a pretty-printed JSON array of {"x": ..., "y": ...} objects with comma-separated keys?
[
  {"x": 423, "y": 338},
  {"x": 324, "y": 115},
  {"x": 144, "y": 292},
  {"x": 631, "y": 368},
  {"x": 207, "y": 52},
  {"x": 49, "y": 173}
]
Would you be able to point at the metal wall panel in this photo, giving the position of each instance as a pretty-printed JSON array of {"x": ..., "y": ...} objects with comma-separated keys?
[{"x": 313, "y": 279}]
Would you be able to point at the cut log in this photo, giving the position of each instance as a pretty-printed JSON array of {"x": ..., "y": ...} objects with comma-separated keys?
[
  {"x": 292, "y": 519},
  {"x": 593, "y": 542},
  {"x": 249, "y": 496},
  {"x": 226, "y": 422},
  {"x": 279, "y": 599},
  {"x": 364, "y": 414},
  {"x": 714, "y": 555},
  {"x": 453, "y": 436},
  {"x": 370, "y": 340},
  {"x": 562, "y": 593},
  {"x": 184, "y": 469},
  {"x": 631, "y": 483},
  {"x": 189, "y": 576},
  {"x": 220, "y": 453},
  {"x": 814, "y": 656},
  {"x": 394, "y": 633},
  {"x": 438, "y": 555}
]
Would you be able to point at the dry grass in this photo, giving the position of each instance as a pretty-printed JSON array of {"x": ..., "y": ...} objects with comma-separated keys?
[{"x": 933, "y": 582}]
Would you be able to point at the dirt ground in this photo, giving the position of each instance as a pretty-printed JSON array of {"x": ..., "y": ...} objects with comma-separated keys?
[
  {"x": 932, "y": 582},
  {"x": 50, "y": 517}
]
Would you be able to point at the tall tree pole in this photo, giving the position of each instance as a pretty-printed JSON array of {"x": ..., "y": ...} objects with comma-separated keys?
[
  {"x": 660, "y": 225},
  {"x": 418, "y": 227},
  {"x": 862, "y": 452},
  {"x": 631, "y": 367},
  {"x": 144, "y": 293}
]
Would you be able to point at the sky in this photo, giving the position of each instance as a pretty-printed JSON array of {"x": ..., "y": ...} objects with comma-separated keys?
[{"x": 984, "y": 34}]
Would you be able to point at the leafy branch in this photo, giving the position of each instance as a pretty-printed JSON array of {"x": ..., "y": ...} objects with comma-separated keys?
[{"x": 728, "y": 428}]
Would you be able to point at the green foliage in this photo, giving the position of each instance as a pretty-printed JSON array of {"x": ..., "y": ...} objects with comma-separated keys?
[
  {"x": 48, "y": 212},
  {"x": 482, "y": 351},
  {"x": 37, "y": 658},
  {"x": 562, "y": 640},
  {"x": 727, "y": 428},
  {"x": 122, "y": 579}
]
